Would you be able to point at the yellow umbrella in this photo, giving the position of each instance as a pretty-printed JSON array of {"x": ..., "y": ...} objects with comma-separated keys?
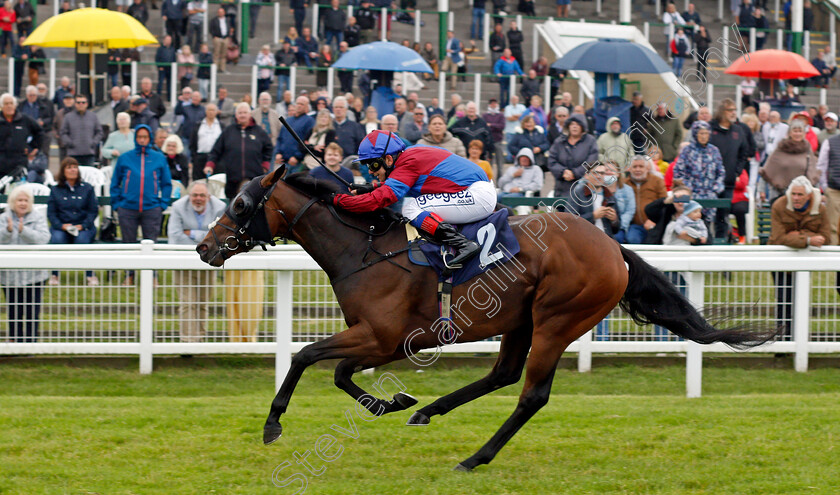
[{"x": 115, "y": 29}]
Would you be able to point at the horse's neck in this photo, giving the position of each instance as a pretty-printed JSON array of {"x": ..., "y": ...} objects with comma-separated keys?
[{"x": 335, "y": 247}]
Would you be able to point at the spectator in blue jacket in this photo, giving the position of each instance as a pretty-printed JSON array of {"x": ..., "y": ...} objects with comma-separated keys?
[
  {"x": 307, "y": 48},
  {"x": 141, "y": 188},
  {"x": 71, "y": 210},
  {"x": 287, "y": 149},
  {"x": 506, "y": 66}
]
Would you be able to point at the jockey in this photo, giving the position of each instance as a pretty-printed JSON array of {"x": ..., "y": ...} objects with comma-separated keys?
[{"x": 439, "y": 187}]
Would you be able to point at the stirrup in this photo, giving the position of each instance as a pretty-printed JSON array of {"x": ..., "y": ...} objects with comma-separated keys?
[{"x": 447, "y": 265}]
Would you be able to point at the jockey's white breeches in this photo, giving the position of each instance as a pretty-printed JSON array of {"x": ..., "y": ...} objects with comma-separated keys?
[{"x": 470, "y": 205}]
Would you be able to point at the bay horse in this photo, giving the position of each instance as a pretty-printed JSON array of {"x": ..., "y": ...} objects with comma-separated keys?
[{"x": 568, "y": 276}]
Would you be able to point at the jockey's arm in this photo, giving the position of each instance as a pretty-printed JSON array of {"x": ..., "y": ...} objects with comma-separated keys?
[{"x": 380, "y": 197}]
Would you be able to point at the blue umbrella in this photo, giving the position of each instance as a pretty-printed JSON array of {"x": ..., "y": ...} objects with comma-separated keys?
[
  {"x": 612, "y": 56},
  {"x": 385, "y": 56}
]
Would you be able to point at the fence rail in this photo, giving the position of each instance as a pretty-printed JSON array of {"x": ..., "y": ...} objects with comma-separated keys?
[{"x": 291, "y": 303}]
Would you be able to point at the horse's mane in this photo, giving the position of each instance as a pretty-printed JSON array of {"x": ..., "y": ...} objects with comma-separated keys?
[{"x": 322, "y": 189}]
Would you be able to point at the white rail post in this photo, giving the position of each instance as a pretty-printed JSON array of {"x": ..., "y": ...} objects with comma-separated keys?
[
  {"x": 581, "y": 95},
  {"x": 173, "y": 85},
  {"x": 293, "y": 79},
  {"x": 598, "y": 7},
  {"x": 330, "y": 82},
  {"x": 205, "y": 24},
  {"x": 214, "y": 73},
  {"x": 832, "y": 44},
  {"x": 646, "y": 30},
  {"x": 254, "y": 76},
  {"x": 147, "y": 302},
  {"x": 441, "y": 87},
  {"x": 720, "y": 11},
  {"x": 451, "y": 21},
  {"x": 417, "y": 26},
  {"x": 694, "y": 353},
  {"x": 778, "y": 9},
  {"x": 585, "y": 352},
  {"x": 752, "y": 39},
  {"x": 535, "y": 47},
  {"x": 477, "y": 91},
  {"x": 780, "y": 37},
  {"x": 383, "y": 21},
  {"x": 547, "y": 95},
  {"x": 806, "y": 45},
  {"x": 276, "y": 22},
  {"x": 52, "y": 76},
  {"x": 485, "y": 32},
  {"x": 710, "y": 95},
  {"x": 823, "y": 96},
  {"x": 315, "y": 19},
  {"x": 738, "y": 103},
  {"x": 133, "y": 77},
  {"x": 512, "y": 87},
  {"x": 801, "y": 319},
  {"x": 11, "y": 67},
  {"x": 56, "y": 7},
  {"x": 657, "y": 8},
  {"x": 283, "y": 326},
  {"x": 726, "y": 44}
]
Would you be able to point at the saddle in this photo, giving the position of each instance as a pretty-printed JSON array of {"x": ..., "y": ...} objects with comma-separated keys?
[{"x": 498, "y": 245}]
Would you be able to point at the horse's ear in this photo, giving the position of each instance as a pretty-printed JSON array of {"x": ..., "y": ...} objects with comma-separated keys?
[{"x": 272, "y": 178}]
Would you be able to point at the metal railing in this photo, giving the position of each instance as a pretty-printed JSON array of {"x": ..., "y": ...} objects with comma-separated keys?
[{"x": 279, "y": 301}]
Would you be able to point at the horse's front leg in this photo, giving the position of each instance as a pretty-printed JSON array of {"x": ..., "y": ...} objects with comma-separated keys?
[
  {"x": 354, "y": 343},
  {"x": 343, "y": 380}
]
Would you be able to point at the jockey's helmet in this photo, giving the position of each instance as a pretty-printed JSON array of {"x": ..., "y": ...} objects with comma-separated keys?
[{"x": 376, "y": 146}]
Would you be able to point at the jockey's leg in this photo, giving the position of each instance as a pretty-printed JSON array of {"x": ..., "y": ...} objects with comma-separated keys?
[{"x": 434, "y": 213}]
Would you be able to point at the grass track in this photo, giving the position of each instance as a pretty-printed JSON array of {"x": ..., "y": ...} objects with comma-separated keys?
[{"x": 616, "y": 430}]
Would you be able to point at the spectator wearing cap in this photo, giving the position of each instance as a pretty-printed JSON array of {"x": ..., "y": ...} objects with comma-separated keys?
[
  {"x": 569, "y": 155},
  {"x": 797, "y": 220},
  {"x": 830, "y": 121},
  {"x": 140, "y": 114},
  {"x": 81, "y": 132},
  {"x": 828, "y": 165}
]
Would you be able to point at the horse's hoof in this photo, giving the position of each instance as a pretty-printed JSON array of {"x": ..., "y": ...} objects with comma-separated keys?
[
  {"x": 418, "y": 418},
  {"x": 271, "y": 433},
  {"x": 461, "y": 467},
  {"x": 404, "y": 400}
]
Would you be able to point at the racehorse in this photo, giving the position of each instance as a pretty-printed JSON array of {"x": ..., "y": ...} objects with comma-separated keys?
[{"x": 568, "y": 276}]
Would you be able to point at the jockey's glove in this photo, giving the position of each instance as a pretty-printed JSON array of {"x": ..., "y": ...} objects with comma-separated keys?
[{"x": 366, "y": 188}]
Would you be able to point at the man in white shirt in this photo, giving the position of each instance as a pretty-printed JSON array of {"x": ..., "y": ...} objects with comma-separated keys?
[{"x": 774, "y": 131}]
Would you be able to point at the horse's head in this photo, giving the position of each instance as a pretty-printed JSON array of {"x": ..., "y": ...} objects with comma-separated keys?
[{"x": 244, "y": 223}]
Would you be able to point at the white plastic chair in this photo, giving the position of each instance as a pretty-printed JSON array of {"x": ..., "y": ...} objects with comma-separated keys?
[
  {"x": 49, "y": 179},
  {"x": 94, "y": 177},
  {"x": 216, "y": 185}
]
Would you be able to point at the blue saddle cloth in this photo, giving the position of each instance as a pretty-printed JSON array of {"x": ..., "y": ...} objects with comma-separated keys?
[{"x": 493, "y": 234}]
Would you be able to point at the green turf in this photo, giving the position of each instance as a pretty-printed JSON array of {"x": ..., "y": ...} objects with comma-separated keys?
[{"x": 616, "y": 430}]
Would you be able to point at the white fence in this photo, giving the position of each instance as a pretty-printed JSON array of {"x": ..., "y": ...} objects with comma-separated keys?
[{"x": 291, "y": 303}]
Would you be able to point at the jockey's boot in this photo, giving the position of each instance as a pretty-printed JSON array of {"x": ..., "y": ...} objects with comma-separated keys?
[{"x": 449, "y": 236}]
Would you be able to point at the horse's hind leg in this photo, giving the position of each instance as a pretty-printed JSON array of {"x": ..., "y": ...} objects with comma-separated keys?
[
  {"x": 513, "y": 352},
  {"x": 343, "y": 380},
  {"x": 550, "y": 339},
  {"x": 353, "y": 342}
]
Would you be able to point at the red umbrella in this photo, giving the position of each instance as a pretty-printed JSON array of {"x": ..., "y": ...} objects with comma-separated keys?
[{"x": 773, "y": 64}]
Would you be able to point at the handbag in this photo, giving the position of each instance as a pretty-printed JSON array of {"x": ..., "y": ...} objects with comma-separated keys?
[{"x": 108, "y": 230}]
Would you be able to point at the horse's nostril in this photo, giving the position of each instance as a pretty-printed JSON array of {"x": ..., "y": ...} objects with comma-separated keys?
[{"x": 202, "y": 248}]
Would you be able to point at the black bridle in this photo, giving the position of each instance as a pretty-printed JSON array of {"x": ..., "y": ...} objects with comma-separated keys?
[{"x": 249, "y": 217}]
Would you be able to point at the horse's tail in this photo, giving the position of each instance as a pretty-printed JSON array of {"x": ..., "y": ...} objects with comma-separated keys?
[{"x": 650, "y": 298}]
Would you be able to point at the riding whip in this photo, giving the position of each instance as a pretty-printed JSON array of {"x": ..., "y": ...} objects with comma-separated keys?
[{"x": 304, "y": 146}]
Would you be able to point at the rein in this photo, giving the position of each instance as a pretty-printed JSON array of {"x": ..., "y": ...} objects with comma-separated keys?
[{"x": 261, "y": 235}]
